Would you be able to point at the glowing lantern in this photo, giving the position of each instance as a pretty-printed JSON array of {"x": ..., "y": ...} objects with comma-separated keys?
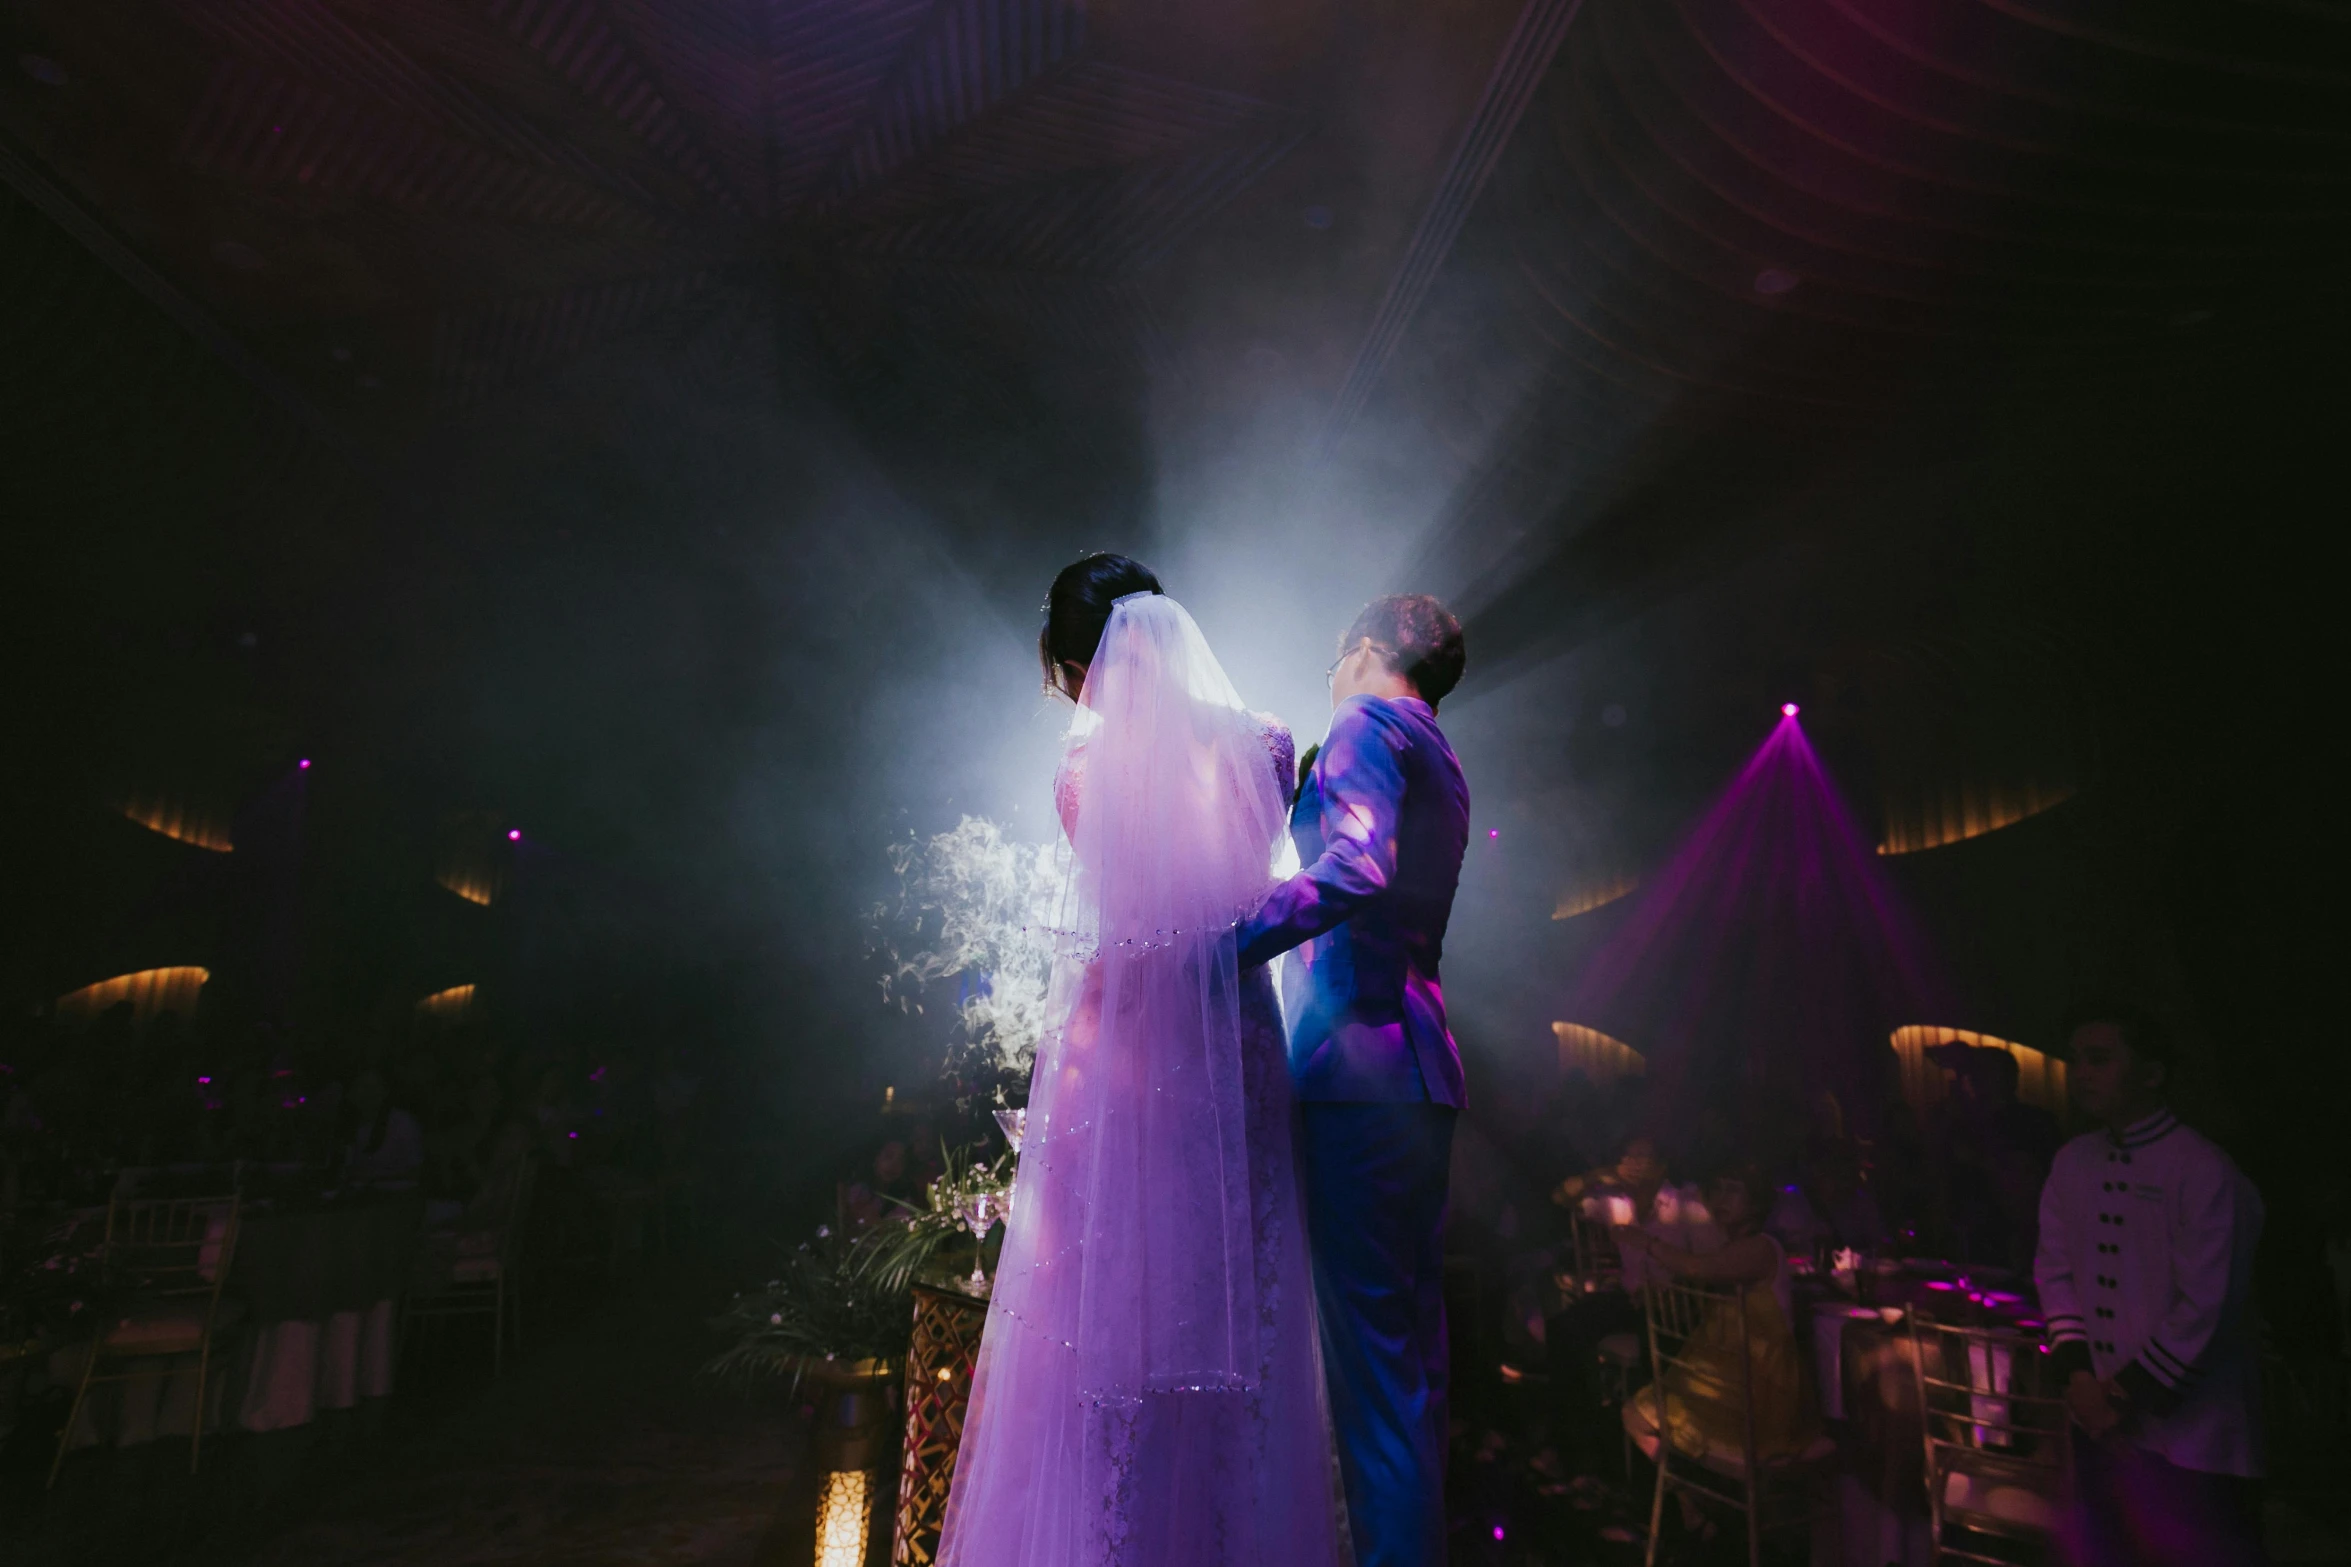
[
  {"x": 843, "y": 1514},
  {"x": 1598, "y": 1056},
  {"x": 2040, "y": 1078},
  {"x": 853, "y": 1440},
  {"x": 149, "y": 991}
]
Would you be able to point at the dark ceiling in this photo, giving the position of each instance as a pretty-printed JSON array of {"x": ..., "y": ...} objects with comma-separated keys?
[{"x": 427, "y": 343}]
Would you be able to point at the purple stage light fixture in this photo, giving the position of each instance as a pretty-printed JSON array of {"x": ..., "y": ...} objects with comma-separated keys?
[
  {"x": 304, "y": 764},
  {"x": 1789, "y": 710},
  {"x": 514, "y": 835}
]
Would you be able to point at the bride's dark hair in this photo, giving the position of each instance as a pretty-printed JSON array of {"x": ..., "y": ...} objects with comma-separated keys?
[{"x": 1078, "y": 607}]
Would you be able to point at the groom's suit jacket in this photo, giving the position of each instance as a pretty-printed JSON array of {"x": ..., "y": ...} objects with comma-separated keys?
[{"x": 1381, "y": 823}]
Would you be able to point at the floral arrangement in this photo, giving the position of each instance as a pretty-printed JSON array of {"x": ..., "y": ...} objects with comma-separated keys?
[
  {"x": 974, "y": 904},
  {"x": 843, "y": 1299},
  {"x": 953, "y": 1194},
  {"x": 837, "y": 1299}
]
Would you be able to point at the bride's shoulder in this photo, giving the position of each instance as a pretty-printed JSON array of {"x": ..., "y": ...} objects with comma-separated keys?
[{"x": 1279, "y": 746}]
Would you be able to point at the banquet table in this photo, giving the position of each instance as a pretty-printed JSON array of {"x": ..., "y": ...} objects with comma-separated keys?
[
  {"x": 316, "y": 1287},
  {"x": 1866, "y": 1369},
  {"x": 320, "y": 1287}
]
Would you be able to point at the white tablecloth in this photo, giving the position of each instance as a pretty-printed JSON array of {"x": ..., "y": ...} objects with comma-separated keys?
[
  {"x": 1829, "y": 1320},
  {"x": 271, "y": 1378},
  {"x": 1871, "y": 1533}
]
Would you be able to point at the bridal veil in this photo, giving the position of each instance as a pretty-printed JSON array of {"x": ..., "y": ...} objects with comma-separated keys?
[{"x": 1148, "y": 1389}]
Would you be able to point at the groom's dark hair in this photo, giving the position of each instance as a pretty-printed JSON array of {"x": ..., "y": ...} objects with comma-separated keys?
[{"x": 1420, "y": 639}]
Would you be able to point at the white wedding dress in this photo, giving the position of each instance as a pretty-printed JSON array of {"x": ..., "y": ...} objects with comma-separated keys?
[{"x": 1149, "y": 1391}]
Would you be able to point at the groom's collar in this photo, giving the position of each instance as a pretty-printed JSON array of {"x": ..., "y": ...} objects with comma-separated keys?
[{"x": 1411, "y": 704}]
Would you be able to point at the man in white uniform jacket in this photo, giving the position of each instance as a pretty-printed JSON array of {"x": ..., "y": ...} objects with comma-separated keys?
[{"x": 2146, "y": 1277}]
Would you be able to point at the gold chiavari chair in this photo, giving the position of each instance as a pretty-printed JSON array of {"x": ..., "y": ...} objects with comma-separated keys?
[
  {"x": 484, "y": 1279},
  {"x": 1593, "y": 1259},
  {"x": 1595, "y": 1267},
  {"x": 1782, "y": 1491},
  {"x": 162, "y": 1264},
  {"x": 1998, "y": 1448}
]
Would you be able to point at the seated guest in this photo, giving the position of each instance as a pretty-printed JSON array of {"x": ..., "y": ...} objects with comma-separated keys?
[
  {"x": 1637, "y": 1173},
  {"x": 385, "y": 1146},
  {"x": 1670, "y": 1213},
  {"x": 887, "y": 1192},
  {"x": 2019, "y": 1143},
  {"x": 1996, "y": 1154},
  {"x": 1702, "y": 1403},
  {"x": 1828, "y": 1207},
  {"x": 1661, "y": 1211},
  {"x": 478, "y": 1227},
  {"x": 2145, "y": 1269},
  {"x": 461, "y": 1145},
  {"x": 555, "y": 1111}
]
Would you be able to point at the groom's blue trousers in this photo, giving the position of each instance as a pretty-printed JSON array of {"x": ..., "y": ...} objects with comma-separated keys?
[{"x": 1375, "y": 1177}]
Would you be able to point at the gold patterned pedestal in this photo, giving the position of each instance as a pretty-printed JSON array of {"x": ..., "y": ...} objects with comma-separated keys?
[{"x": 947, "y": 1323}]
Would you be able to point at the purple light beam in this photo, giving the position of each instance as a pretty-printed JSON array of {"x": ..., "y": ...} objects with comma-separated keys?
[{"x": 1770, "y": 955}]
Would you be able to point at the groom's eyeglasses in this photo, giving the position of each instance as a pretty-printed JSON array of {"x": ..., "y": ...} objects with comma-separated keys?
[{"x": 1330, "y": 676}]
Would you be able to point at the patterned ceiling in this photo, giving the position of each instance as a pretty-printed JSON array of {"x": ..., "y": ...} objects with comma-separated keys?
[
  {"x": 1737, "y": 242},
  {"x": 443, "y": 197},
  {"x": 1575, "y": 239}
]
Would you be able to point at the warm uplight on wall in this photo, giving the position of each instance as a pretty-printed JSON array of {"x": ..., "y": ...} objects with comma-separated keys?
[
  {"x": 475, "y": 872},
  {"x": 2040, "y": 1078},
  {"x": 1583, "y": 900},
  {"x": 446, "y": 1006},
  {"x": 843, "y": 1515},
  {"x": 150, "y": 992},
  {"x": 1600, "y": 1057},
  {"x": 1957, "y": 812},
  {"x": 178, "y": 820},
  {"x": 472, "y": 886}
]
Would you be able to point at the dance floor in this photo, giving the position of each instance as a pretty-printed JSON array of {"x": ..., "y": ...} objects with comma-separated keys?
[{"x": 603, "y": 1448}]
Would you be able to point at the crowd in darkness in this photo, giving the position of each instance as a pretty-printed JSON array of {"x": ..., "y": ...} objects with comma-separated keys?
[
  {"x": 436, "y": 1109},
  {"x": 1958, "y": 1178},
  {"x": 1569, "y": 1217}
]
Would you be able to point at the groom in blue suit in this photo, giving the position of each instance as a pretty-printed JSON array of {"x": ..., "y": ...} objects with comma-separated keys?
[{"x": 1381, "y": 823}]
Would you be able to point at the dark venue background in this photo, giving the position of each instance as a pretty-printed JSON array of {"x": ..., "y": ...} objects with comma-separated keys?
[{"x": 650, "y": 429}]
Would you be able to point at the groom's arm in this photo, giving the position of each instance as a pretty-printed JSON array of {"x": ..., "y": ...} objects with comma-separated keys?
[{"x": 1362, "y": 796}]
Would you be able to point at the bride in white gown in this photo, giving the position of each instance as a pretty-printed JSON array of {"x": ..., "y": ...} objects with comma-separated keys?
[{"x": 1149, "y": 1390}]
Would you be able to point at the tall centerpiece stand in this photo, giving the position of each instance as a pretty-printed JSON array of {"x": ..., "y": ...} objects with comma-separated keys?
[
  {"x": 945, "y": 1352},
  {"x": 950, "y": 1312}
]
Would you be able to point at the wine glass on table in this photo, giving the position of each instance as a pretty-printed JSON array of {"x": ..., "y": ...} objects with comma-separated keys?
[{"x": 977, "y": 1210}]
